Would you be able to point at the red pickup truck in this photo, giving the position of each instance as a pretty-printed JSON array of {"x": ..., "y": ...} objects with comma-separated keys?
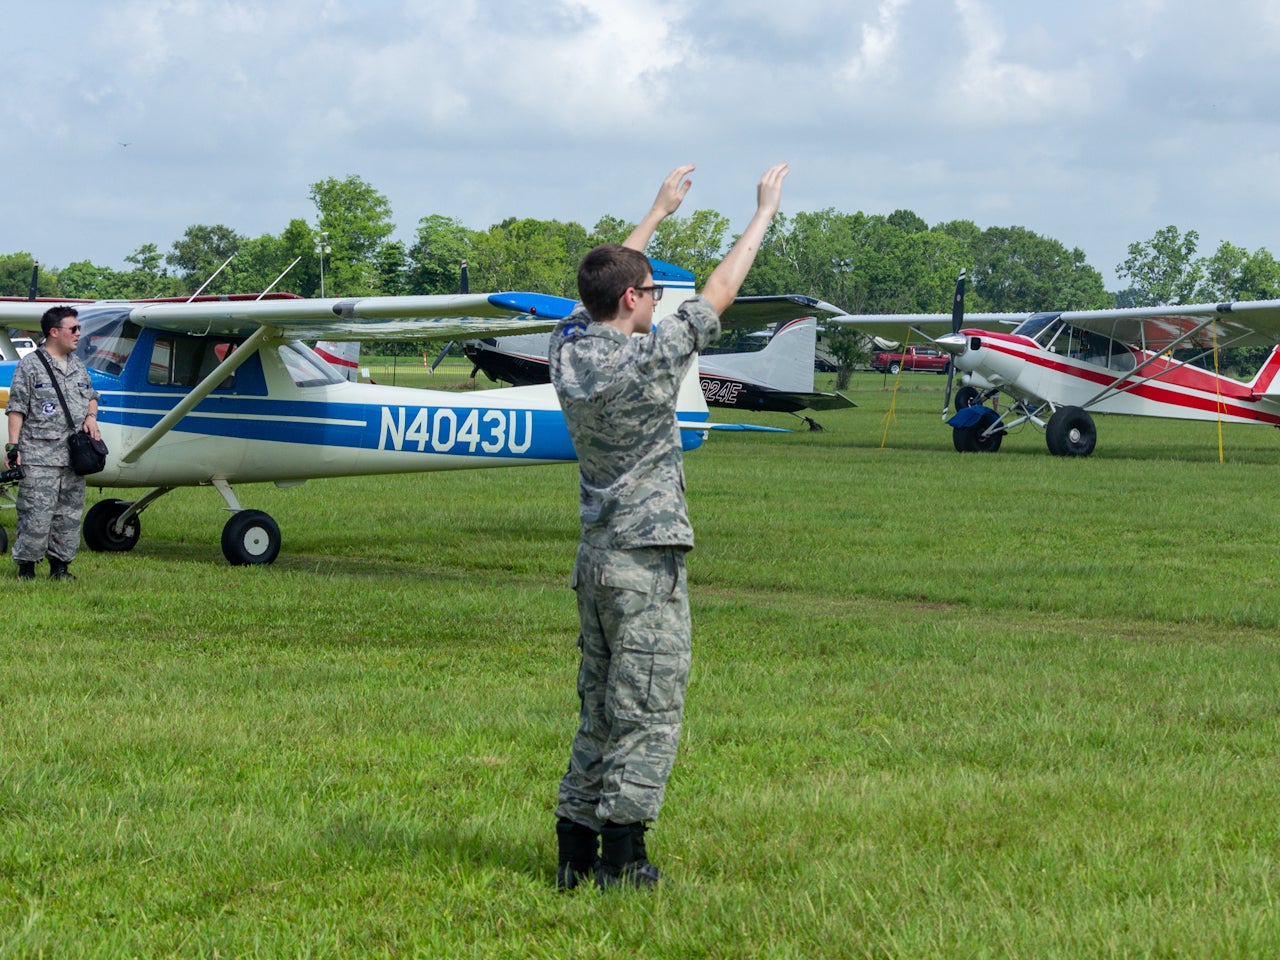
[{"x": 913, "y": 358}]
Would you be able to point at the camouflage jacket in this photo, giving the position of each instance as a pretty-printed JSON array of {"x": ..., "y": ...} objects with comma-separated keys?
[
  {"x": 43, "y": 440},
  {"x": 618, "y": 394}
]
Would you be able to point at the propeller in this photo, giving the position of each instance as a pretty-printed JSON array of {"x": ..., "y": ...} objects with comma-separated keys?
[
  {"x": 464, "y": 286},
  {"x": 953, "y": 340},
  {"x": 35, "y": 275}
]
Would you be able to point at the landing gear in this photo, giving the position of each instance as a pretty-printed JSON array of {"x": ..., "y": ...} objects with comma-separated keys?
[
  {"x": 103, "y": 530},
  {"x": 971, "y": 440},
  {"x": 1071, "y": 433},
  {"x": 250, "y": 537},
  {"x": 967, "y": 397}
]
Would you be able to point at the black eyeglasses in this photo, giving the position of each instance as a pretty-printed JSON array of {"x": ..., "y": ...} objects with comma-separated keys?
[
  {"x": 75, "y": 329},
  {"x": 654, "y": 291}
]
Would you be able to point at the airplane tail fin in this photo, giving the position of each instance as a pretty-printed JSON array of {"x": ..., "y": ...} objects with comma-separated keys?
[
  {"x": 343, "y": 356},
  {"x": 1265, "y": 380},
  {"x": 677, "y": 284},
  {"x": 786, "y": 362}
]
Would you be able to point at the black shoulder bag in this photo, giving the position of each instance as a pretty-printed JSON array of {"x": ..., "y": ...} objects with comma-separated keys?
[{"x": 87, "y": 454}]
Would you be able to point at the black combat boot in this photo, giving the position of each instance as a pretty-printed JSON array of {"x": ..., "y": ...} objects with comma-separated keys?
[
  {"x": 26, "y": 570},
  {"x": 58, "y": 569},
  {"x": 578, "y": 853},
  {"x": 624, "y": 861}
]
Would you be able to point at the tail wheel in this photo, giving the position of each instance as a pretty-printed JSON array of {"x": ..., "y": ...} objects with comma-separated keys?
[
  {"x": 250, "y": 537},
  {"x": 1070, "y": 432},
  {"x": 99, "y": 527}
]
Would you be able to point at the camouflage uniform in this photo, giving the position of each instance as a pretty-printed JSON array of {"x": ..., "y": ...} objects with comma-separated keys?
[
  {"x": 619, "y": 395},
  {"x": 50, "y": 496}
]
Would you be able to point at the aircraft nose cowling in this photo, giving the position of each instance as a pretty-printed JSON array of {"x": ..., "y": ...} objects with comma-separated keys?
[{"x": 952, "y": 343}]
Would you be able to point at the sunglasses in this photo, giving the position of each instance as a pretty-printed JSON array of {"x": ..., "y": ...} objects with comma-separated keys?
[{"x": 75, "y": 329}]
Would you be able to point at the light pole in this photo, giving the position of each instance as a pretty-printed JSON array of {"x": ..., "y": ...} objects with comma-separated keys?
[{"x": 322, "y": 247}]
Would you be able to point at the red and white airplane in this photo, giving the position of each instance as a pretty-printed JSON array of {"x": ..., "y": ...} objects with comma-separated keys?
[{"x": 1058, "y": 369}]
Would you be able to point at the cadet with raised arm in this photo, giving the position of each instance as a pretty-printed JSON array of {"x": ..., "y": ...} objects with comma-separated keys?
[{"x": 618, "y": 392}]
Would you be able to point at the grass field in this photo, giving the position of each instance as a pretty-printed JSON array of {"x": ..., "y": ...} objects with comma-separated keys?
[{"x": 941, "y": 706}]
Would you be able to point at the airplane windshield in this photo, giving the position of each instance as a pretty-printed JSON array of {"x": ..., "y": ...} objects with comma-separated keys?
[
  {"x": 107, "y": 338},
  {"x": 305, "y": 367},
  {"x": 1050, "y": 332}
]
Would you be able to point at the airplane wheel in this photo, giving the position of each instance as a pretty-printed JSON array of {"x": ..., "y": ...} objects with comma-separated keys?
[
  {"x": 966, "y": 397},
  {"x": 99, "y": 529},
  {"x": 971, "y": 440},
  {"x": 4, "y": 541},
  {"x": 249, "y": 537},
  {"x": 1070, "y": 433}
]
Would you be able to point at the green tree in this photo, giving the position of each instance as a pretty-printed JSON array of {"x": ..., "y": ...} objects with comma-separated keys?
[
  {"x": 528, "y": 254},
  {"x": 1163, "y": 268},
  {"x": 435, "y": 260},
  {"x": 357, "y": 220},
  {"x": 83, "y": 280},
  {"x": 1015, "y": 269},
  {"x": 15, "y": 277},
  {"x": 609, "y": 229},
  {"x": 695, "y": 242},
  {"x": 149, "y": 279},
  {"x": 199, "y": 254}
]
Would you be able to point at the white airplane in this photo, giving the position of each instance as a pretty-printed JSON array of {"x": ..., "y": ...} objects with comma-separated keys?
[
  {"x": 776, "y": 378},
  {"x": 222, "y": 391},
  {"x": 1058, "y": 369}
]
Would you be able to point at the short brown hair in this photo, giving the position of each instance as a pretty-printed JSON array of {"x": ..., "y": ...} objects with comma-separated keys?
[
  {"x": 604, "y": 276},
  {"x": 54, "y": 316}
]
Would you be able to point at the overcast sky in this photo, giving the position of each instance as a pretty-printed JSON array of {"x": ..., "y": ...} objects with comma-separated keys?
[{"x": 1095, "y": 122}]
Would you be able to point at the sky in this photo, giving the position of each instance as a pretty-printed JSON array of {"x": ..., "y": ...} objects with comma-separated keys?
[{"x": 1095, "y": 123}]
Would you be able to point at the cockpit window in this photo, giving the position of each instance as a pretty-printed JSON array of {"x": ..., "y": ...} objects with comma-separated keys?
[
  {"x": 305, "y": 367},
  {"x": 185, "y": 361},
  {"x": 107, "y": 339}
]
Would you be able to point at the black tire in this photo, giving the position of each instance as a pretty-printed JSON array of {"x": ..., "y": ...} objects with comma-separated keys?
[
  {"x": 250, "y": 537},
  {"x": 1071, "y": 433},
  {"x": 967, "y": 397},
  {"x": 894, "y": 368},
  {"x": 970, "y": 439},
  {"x": 99, "y": 528},
  {"x": 4, "y": 541}
]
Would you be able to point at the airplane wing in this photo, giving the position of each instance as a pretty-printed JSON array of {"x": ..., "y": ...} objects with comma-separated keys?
[
  {"x": 1247, "y": 323},
  {"x": 762, "y": 311},
  {"x": 443, "y": 317},
  {"x": 894, "y": 326},
  {"x": 816, "y": 401}
]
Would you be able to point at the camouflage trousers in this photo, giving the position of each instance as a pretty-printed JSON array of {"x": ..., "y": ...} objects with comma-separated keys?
[
  {"x": 50, "y": 501},
  {"x": 636, "y": 645}
]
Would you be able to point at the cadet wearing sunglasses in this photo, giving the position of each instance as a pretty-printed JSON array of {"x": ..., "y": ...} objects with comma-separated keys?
[{"x": 50, "y": 494}]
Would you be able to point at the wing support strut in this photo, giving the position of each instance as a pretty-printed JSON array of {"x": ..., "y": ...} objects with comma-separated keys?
[{"x": 198, "y": 393}]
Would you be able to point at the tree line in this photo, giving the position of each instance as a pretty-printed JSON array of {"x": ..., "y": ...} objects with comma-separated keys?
[{"x": 865, "y": 263}]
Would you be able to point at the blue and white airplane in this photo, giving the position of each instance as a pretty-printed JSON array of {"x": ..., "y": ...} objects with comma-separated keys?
[{"x": 222, "y": 391}]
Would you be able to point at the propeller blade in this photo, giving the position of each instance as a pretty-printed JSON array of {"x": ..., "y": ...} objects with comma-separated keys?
[
  {"x": 35, "y": 275},
  {"x": 464, "y": 285},
  {"x": 957, "y": 321},
  {"x": 441, "y": 356}
]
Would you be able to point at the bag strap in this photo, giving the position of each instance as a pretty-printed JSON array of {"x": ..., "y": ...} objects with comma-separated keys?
[{"x": 66, "y": 412}]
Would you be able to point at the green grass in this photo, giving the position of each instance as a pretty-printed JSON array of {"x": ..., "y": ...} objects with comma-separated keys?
[{"x": 941, "y": 706}]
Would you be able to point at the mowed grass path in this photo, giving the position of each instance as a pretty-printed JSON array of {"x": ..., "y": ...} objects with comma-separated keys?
[{"x": 941, "y": 706}]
